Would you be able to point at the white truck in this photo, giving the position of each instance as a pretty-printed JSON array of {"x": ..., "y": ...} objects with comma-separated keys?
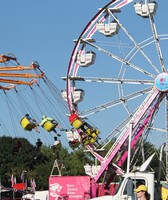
[
  {"x": 125, "y": 190},
  {"x": 141, "y": 175}
]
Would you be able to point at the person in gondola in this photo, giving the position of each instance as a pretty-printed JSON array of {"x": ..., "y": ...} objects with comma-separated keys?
[
  {"x": 17, "y": 147},
  {"x": 38, "y": 143},
  {"x": 33, "y": 121},
  {"x": 88, "y": 134},
  {"x": 53, "y": 121},
  {"x": 73, "y": 138},
  {"x": 56, "y": 144},
  {"x": 56, "y": 147}
]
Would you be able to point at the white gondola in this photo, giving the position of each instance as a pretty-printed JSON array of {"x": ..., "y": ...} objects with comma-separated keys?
[
  {"x": 91, "y": 170},
  {"x": 72, "y": 135},
  {"x": 78, "y": 95},
  {"x": 143, "y": 9},
  {"x": 108, "y": 29},
  {"x": 86, "y": 59}
]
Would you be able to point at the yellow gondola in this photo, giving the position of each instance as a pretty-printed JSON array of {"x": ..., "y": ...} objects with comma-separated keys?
[
  {"x": 85, "y": 141},
  {"x": 94, "y": 133},
  {"x": 49, "y": 126},
  {"x": 77, "y": 123},
  {"x": 88, "y": 140},
  {"x": 26, "y": 124},
  {"x": 90, "y": 136}
]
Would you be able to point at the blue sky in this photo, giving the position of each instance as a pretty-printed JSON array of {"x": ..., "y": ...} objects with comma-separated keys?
[{"x": 44, "y": 31}]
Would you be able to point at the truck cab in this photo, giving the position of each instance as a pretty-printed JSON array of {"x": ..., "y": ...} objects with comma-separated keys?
[{"x": 128, "y": 183}]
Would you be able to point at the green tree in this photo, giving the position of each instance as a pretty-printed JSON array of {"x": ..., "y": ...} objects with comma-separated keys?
[{"x": 37, "y": 163}]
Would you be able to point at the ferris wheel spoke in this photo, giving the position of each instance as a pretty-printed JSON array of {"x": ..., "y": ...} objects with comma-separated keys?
[
  {"x": 144, "y": 44},
  {"x": 134, "y": 42},
  {"x": 156, "y": 38},
  {"x": 115, "y": 102},
  {"x": 111, "y": 80},
  {"x": 126, "y": 62}
]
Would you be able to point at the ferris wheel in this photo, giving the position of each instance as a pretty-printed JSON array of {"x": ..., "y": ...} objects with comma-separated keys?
[{"x": 117, "y": 79}]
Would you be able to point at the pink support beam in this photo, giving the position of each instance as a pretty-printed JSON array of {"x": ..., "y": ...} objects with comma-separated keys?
[{"x": 135, "y": 120}]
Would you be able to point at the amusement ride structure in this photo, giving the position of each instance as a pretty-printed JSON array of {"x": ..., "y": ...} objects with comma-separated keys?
[
  {"x": 117, "y": 83},
  {"x": 116, "y": 86},
  {"x": 26, "y": 90}
]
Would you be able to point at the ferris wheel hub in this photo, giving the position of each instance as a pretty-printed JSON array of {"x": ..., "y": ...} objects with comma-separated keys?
[{"x": 161, "y": 82}]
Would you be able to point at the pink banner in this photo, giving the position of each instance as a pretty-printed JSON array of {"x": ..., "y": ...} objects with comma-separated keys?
[{"x": 69, "y": 187}]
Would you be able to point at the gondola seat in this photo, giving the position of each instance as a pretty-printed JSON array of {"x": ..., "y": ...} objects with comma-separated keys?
[
  {"x": 49, "y": 126},
  {"x": 26, "y": 124},
  {"x": 77, "y": 123}
]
